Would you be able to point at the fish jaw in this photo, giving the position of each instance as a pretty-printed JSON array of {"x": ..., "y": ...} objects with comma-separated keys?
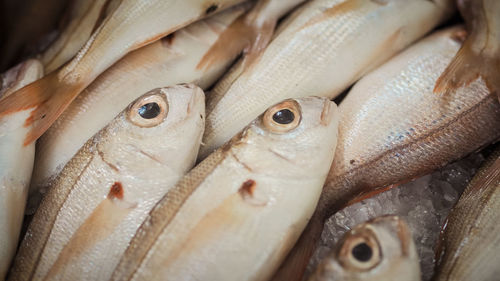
[
  {"x": 393, "y": 255},
  {"x": 249, "y": 205},
  {"x": 16, "y": 163},
  {"x": 313, "y": 55},
  {"x": 396, "y": 97},
  {"x": 469, "y": 241},
  {"x": 170, "y": 61},
  {"x": 105, "y": 192}
]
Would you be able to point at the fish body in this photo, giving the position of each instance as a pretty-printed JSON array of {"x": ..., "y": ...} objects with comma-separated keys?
[
  {"x": 393, "y": 128},
  {"x": 16, "y": 162},
  {"x": 320, "y": 49},
  {"x": 381, "y": 249},
  {"x": 236, "y": 214},
  {"x": 470, "y": 243},
  {"x": 131, "y": 25},
  {"x": 479, "y": 56},
  {"x": 86, "y": 16},
  {"x": 170, "y": 61},
  {"x": 95, "y": 206}
]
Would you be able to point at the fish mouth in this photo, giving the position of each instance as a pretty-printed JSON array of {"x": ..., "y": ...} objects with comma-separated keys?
[{"x": 327, "y": 113}]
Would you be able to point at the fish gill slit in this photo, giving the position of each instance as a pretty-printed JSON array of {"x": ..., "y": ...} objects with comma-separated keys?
[
  {"x": 248, "y": 168},
  {"x": 101, "y": 155},
  {"x": 77, "y": 178}
]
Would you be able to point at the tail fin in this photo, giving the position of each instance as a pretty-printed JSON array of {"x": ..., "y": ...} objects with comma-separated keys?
[
  {"x": 241, "y": 36},
  {"x": 466, "y": 67},
  {"x": 49, "y": 98},
  {"x": 294, "y": 266}
]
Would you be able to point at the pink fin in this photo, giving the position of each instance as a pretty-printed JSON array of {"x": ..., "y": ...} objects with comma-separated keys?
[{"x": 48, "y": 97}]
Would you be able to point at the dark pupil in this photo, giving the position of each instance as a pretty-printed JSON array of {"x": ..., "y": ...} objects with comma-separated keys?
[
  {"x": 149, "y": 110},
  {"x": 283, "y": 116},
  {"x": 362, "y": 252}
]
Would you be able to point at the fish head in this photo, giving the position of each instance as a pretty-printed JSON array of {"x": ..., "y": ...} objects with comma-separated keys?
[
  {"x": 379, "y": 249},
  {"x": 160, "y": 130},
  {"x": 295, "y": 138}
]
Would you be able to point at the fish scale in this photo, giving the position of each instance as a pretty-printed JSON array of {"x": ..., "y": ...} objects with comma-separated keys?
[
  {"x": 221, "y": 218},
  {"x": 320, "y": 50},
  {"x": 102, "y": 195}
]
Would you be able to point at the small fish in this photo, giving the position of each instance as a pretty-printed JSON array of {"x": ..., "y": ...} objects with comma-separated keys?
[
  {"x": 16, "y": 162},
  {"x": 381, "y": 249},
  {"x": 86, "y": 16},
  {"x": 394, "y": 128},
  {"x": 131, "y": 25},
  {"x": 320, "y": 49},
  {"x": 236, "y": 214},
  {"x": 169, "y": 61},
  {"x": 480, "y": 53},
  {"x": 102, "y": 195},
  {"x": 470, "y": 240}
]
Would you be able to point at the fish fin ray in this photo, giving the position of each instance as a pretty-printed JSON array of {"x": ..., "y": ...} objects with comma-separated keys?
[
  {"x": 466, "y": 67},
  {"x": 242, "y": 36},
  {"x": 48, "y": 98}
]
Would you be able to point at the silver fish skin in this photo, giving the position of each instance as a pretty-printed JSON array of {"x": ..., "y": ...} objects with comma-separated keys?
[
  {"x": 381, "y": 249},
  {"x": 86, "y": 16},
  {"x": 257, "y": 193},
  {"x": 16, "y": 162},
  {"x": 170, "y": 61},
  {"x": 131, "y": 25},
  {"x": 470, "y": 243},
  {"x": 394, "y": 128},
  {"x": 108, "y": 188},
  {"x": 320, "y": 49}
]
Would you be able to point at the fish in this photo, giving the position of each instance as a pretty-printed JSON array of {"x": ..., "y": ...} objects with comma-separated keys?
[
  {"x": 169, "y": 61},
  {"x": 131, "y": 25},
  {"x": 238, "y": 212},
  {"x": 469, "y": 245},
  {"x": 393, "y": 128},
  {"x": 16, "y": 162},
  {"x": 381, "y": 249},
  {"x": 250, "y": 33},
  {"x": 108, "y": 188},
  {"x": 320, "y": 49},
  {"x": 479, "y": 56},
  {"x": 85, "y": 16}
]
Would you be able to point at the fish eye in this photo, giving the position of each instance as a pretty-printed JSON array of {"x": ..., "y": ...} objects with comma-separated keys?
[
  {"x": 148, "y": 110},
  {"x": 360, "y": 252},
  {"x": 283, "y": 117}
]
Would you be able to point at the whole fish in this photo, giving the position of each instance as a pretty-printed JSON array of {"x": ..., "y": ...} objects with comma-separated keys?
[
  {"x": 470, "y": 242},
  {"x": 394, "y": 128},
  {"x": 381, "y": 249},
  {"x": 99, "y": 200},
  {"x": 480, "y": 53},
  {"x": 169, "y": 61},
  {"x": 16, "y": 162},
  {"x": 320, "y": 49},
  {"x": 86, "y": 16},
  {"x": 236, "y": 215},
  {"x": 131, "y": 25}
]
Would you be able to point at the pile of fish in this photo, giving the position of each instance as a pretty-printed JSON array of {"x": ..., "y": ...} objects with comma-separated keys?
[{"x": 198, "y": 140}]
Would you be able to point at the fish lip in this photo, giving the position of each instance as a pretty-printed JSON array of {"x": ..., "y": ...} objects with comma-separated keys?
[{"x": 326, "y": 116}]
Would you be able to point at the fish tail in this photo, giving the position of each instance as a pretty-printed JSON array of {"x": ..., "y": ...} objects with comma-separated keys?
[
  {"x": 466, "y": 67},
  {"x": 294, "y": 266},
  {"x": 241, "y": 36},
  {"x": 49, "y": 98}
]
